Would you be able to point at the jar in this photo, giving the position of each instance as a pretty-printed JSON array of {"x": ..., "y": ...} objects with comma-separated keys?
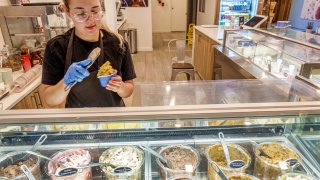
[
  {"x": 36, "y": 58},
  {"x": 14, "y": 60}
]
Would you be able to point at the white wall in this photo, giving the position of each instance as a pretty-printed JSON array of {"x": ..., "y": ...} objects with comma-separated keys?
[
  {"x": 161, "y": 16},
  {"x": 140, "y": 17},
  {"x": 209, "y": 15},
  {"x": 110, "y": 17}
]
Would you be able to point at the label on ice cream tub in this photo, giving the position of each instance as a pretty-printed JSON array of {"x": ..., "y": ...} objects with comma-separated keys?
[
  {"x": 119, "y": 170},
  {"x": 67, "y": 172},
  {"x": 237, "y": 164},
  {"x": 291, "y": 161}
]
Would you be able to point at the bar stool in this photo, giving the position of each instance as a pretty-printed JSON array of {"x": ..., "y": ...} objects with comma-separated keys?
[{"x": 180, "y": 62}]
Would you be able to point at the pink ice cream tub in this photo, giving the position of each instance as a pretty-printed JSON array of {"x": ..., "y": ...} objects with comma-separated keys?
[{"x": 70, "y": 158}]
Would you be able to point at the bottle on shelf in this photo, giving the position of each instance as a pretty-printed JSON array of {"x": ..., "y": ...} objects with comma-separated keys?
[
  {"x": 25, "y": 58},
  {"x": 5, "y": 56}
]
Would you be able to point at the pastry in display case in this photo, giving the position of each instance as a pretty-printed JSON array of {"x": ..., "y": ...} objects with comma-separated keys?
[
  {"x": 281, "y": 57},
  {"x": 189, "y": 149}
]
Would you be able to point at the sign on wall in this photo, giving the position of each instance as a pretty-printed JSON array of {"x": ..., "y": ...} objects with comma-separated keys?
[
  {"x": 311, "y": 10},
  {"x": 134, "y": 3}
]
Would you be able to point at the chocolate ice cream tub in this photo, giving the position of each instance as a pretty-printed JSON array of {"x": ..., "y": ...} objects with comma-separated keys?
[
  {"x": 182, "y": 161},
  {"x": 67, "y": 159},
  {"x": 10, "y": 165},
  {"x": 266, "y": 168},
  {"x": 122, "y": 157},
  {"x": 216, "y": 154}
]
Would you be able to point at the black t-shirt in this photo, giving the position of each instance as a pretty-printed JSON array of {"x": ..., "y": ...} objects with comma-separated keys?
[{"x": 95, "y": 96}]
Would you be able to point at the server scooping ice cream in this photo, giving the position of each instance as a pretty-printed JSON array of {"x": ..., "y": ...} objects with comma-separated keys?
[{"x": 68, "y": 75}]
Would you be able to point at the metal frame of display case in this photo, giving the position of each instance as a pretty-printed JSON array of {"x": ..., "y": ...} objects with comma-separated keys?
[
  {"x": 200, "y": 134},
  {"x": 239, "y": 62}
]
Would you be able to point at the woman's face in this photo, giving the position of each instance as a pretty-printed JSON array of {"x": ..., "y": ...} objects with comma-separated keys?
[{"x": 86, "y": 15}]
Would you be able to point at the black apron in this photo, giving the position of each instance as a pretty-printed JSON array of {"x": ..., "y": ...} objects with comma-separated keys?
[{"x": 89, "y": 92}]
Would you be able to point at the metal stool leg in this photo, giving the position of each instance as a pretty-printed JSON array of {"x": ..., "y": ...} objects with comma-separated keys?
[
  {"x": 188, "y": 76},
  {"x": 192, "y": 76},
  {"x": 173, "y": 75}
]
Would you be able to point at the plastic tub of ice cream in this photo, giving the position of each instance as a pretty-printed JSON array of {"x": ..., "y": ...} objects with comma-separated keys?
[
  {"x": 10, "y": 165},
  {"x": 183, "y": 177},
  {"x": 122, "y": 156},
  {"x": 266, "y": 168},
  {"x": 70, "y": 158},
  {"x": 182, "y": 161},
  {"x": 215, "y": 154},
  {"x": 241, "y": 176},
  {"x": 296, "y": 176}
]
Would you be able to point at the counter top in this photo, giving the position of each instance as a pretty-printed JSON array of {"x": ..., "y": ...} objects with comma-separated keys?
[
  {"x": 213, "y": 32},
  {"x": 14, "y": 98}
]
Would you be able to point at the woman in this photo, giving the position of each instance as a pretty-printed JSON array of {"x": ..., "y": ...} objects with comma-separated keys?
[{"x": 65, "y": 61}]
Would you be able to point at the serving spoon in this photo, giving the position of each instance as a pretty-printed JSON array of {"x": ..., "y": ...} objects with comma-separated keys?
[{"x": 231, "y": 164}]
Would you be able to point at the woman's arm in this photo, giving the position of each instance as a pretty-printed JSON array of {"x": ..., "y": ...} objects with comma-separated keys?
[{"x": 54, "y": 95}]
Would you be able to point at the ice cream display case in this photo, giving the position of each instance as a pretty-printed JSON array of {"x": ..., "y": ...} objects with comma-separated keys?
[
  {"x": 275, "y": 55},
  {"x": 119, "y": 143}
]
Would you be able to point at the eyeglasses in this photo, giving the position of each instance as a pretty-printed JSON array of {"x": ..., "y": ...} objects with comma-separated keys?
[{"x": 84, "y": 16}]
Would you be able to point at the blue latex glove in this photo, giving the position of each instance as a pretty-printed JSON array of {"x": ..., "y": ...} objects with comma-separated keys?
[{"x": 77, "y": 72}]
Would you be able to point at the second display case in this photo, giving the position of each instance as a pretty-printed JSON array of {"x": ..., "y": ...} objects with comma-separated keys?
[{"x": 278, "y": 56}]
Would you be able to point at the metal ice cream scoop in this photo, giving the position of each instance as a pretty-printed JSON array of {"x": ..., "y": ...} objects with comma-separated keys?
[
  {"x": 220, "y": 173},
  {"x": 27, "y": 172}
]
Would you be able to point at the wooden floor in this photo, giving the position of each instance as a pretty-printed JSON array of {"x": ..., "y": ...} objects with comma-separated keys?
[{"x": 155, "y": 66}]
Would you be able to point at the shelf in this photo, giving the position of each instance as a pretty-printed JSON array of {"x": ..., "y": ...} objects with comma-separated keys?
[{"x": 34, "y": 34}]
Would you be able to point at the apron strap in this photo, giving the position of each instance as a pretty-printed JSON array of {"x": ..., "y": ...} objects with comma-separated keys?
[{"x": 70, "y": 51}]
